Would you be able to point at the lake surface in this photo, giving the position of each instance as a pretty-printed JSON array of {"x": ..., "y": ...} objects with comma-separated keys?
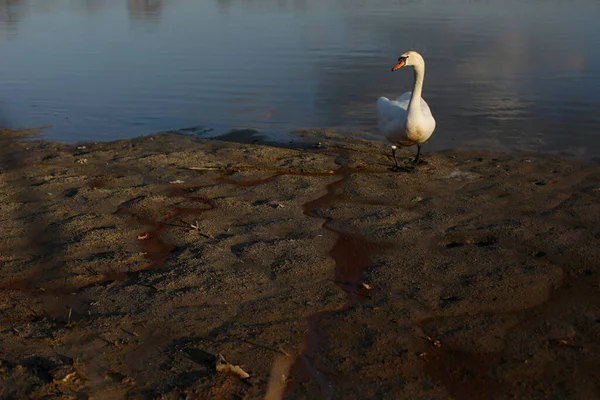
[{"x": 504, "y": 74}]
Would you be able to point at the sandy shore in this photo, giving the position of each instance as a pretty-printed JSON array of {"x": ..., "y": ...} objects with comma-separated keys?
[{"x": 128, "y": 266}]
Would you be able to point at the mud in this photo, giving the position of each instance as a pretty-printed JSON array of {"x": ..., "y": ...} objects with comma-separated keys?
[{"x": 128, "y": 266}]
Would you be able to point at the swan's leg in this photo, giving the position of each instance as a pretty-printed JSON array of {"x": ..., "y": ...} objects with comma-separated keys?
[
  {"x": 418, "y": 157},
  {"x": 394, "y": 154}
]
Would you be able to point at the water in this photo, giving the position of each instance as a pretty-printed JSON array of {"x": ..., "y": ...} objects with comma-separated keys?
[{"x": 504, "y": 74}]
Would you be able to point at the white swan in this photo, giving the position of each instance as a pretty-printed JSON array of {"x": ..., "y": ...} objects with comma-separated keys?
[{"x": 407, "y": 121}]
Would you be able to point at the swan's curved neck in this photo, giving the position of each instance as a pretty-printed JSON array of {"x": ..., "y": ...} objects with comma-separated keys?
[{"x": 415, "y": 99}]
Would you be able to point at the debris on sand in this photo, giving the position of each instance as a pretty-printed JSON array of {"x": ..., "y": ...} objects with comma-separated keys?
[
  {"x": 434, "y": 342},
  {"x": 196, "y": 228},
  {"x": 222, "y": 366}
]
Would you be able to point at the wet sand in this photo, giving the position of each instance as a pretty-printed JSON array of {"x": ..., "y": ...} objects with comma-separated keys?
[{"x": 128, "y": 266}]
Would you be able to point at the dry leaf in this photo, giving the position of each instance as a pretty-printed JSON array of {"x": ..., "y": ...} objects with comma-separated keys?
[{"x": 144, "y": 236}]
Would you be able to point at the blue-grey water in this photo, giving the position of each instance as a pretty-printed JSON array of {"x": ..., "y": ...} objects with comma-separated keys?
[{"x": 504, "y": 74}]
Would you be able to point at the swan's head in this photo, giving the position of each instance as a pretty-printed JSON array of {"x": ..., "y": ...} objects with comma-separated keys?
[{"x": 408, "y": 59}]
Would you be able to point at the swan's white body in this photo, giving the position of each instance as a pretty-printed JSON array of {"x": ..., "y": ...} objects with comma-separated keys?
[
  {"x": 400, "y": 126},
  {"x": 407, "y": 121}
]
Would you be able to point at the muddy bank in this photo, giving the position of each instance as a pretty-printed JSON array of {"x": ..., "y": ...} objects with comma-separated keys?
[{"x": 127, "y": 266}]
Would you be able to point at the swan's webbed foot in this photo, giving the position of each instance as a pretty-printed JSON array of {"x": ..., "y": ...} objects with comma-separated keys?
[{"x": 418, "y": 160}]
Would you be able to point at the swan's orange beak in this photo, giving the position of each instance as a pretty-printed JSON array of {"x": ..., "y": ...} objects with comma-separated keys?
[{"x": 401, "y": 63}]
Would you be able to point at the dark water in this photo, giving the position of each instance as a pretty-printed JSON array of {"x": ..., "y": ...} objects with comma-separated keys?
[{"x": 500, "y": 74}]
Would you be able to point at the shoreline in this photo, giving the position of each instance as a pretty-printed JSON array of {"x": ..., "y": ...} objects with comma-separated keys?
[
  {"x": 299, "y": 139},
  {"x": 128, "y": 265}
]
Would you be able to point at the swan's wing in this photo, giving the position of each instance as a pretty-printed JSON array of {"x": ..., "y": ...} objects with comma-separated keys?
[
  {"x": 390, "y": 113},
  {"x": 404, "y": 100}
]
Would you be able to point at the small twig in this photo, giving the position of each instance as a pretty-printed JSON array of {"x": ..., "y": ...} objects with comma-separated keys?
[
  {"x": 196, "y": 227},
  {"x": 69, "y": 319},
  {"x": 130, "y": 333},
  {"x": 91, "y": 270},
  {"x": 36, "y": 314},
  {"x": 282, "y": 351},
  {"x": 209, "y": 168},
  {"x": 562, "y": 342}
]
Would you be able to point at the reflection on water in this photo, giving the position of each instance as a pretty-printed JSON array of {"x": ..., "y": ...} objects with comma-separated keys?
[
  {"x": 11, "y": 12},
  {"x": 510, "y": 74},
  {"x": 145, "y": 9}
]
